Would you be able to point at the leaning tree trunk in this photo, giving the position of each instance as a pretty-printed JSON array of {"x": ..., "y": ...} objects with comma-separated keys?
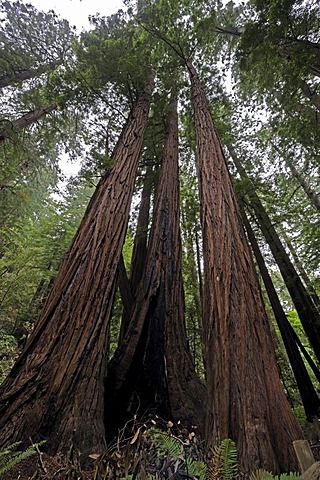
[
  {"x": 309, "y": 397},
  {"x": 308, "y": 189},
  {"x": 246, "y": 401},
  {"x": 307, "y": 311},
  {"x": 154, "y": 359},
  {"x": 22, "y": 75},
  {"x": 25, "y": 121},
  {"x": 55, "y": 390},
  {"x": 298, "y": 264}
]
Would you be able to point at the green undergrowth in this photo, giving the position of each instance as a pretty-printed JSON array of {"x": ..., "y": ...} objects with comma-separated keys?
[{"x": 9, "y": 457}]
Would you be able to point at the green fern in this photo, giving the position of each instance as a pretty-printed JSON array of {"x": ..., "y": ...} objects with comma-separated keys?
[
  {"x": 197, "y": 468},
  {"x": 165, "y": 444},
  {"x": 288, "y": 476},
  {"x": 264, "y": 475},
  {"x": 170, "y": 446},
  {"x": 9, "y": 457},
  {"x": 224, "y": 461}
]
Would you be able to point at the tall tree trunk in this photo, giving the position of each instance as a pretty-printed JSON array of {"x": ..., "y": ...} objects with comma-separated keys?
[
  {"x": 154, "y": 359},
  {"x": 25, "y": 121},
  {"x": 55, "y": 389},
  {"x": 308, "y": 314},
  {"x": 309, "y": 397},
  {"x": 246, "y": 401}
]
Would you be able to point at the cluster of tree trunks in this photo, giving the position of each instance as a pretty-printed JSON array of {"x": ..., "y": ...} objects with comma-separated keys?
[
  {"x": 60, "y": 389},
  {"x": 55, "y": 389},
  {"x": 153, "y": 361}
]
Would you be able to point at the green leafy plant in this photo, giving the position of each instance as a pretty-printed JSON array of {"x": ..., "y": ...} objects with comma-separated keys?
[
  {"x": 173, "y": 449},
  {"x": 224, "y": 461},
  {"x": 264, "y": 475},
  {"x": 9, "y": 457}
]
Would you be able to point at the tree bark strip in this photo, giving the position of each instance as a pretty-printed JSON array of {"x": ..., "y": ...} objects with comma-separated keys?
[
  {"x": 246, "y": 401},
  {"x": 55, "y": 389},
  {"x": 308, "y": 314},
  {"x": 155, "y": 348}
]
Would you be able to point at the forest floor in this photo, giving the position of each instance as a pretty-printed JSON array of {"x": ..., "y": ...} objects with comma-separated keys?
[{"x": 151, "y": 448}]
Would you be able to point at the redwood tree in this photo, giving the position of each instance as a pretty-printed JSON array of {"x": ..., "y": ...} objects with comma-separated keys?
[
  {"x": 55, "y": 389},
  {"x": 245, "y": 398},
  {"x": 153, "y": 362}
]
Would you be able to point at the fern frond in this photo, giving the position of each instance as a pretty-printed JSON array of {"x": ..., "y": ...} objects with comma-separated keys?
[
  {"x": 165, "y": 443},
  {"x": 9, "y": 457},
  {"x": 197, "y": 468},
  {"x": 224, "y": 461},
  {"x": 8, "y": 450},
  {"x": 261, "y": 474},
  {"x": 289, "y": 476}
]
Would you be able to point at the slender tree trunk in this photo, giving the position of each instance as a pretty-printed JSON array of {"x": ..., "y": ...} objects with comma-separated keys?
[
  {"x": 139, "y": 253},
  {"x": 154, "y": 359},
  {"x": 303, "y": 303},
  {"x": 128, "y": 286},
  {"x": 246, "y": 401},
  {"x": 310, "y": 192},
  {"x": 55, "y": 390},
  {"x": 23, "y": 75},
  {"x": 25, "y": 121},
  {"x": 309, "y": 397},
  {"x": 313, "y": 96},
  {"x": 302, "y": 272},
  {"x": 127, "y": 298}
]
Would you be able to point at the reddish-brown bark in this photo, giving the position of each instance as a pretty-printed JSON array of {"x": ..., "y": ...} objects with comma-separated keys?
[
  {"x": 246, "y": 401},
  {"x": 55, "y": 389},
  {"x": 154, "y": 360}
]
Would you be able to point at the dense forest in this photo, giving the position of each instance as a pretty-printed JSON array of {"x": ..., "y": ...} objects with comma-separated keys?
[{"x": 174, "y": 280}]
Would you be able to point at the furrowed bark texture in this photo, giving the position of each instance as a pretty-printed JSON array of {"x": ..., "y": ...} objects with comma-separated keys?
[
  {"x": 55, "y": 390},
  {"x": 309, "y": 397},
  {"x": 246, "y": 401},
  {"x": 155, "y": 349},
  {"x": 307, "y": 311}
]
